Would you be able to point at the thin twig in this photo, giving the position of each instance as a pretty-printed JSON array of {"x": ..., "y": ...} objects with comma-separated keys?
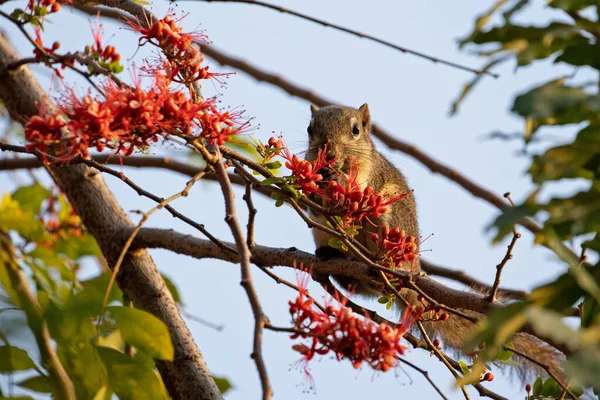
[
  {"x": 464, "y": 278},
  {"x": 507, "y": 256},
  {"x": 57, "y": 58},
  {"x": 500, "y": 267},
  {"x": 545, "y": 367},
  {"x": 441, "y": 357},
  {"x": 289, "y": 284},
  {"x": 244, "y": 253},
  {"x": 202, "y": 321},
  {"x": 251, "y": 209},
  {"x": 145, "y": 216},
  {"x": 359, "y": 34},
  {"x": 425, "y": 373},
  {"x": 431, "y": 346}
]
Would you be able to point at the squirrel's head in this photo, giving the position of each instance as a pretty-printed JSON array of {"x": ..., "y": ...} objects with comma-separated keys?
[{"x": 345, "y": 130}]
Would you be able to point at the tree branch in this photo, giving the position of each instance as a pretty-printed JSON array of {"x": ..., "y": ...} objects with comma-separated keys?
[
  {"x": 271, "y": 256},
  {"x": 190, "y": 170},
  {"x": 434, "y": 292},
  {"x": 244, "y": 255},
  {"x": 464, "y": 278}
]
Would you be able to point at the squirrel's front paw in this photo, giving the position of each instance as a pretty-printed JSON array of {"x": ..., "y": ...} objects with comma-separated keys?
[{"x": 327, "y": 253}]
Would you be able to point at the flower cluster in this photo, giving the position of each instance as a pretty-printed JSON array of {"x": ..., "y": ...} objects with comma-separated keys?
[
  {"x": 305, "y": 173},
  {"x": 106, "y": 56},
  {"x": 353, "y": 204},
  {"x": 184, "y": 58},
  {"x": 44, "y": 7},
  {"x": 397, "y": 246},
  {"x": 345, "y": 334},
  {"x": 127, "y": 119},
  {"x": 60, "y": 220},
  {"x": 343, "y": 196}
]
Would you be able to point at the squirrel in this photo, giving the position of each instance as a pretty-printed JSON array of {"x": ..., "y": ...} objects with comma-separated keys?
[{"x": 346, "y": 133}]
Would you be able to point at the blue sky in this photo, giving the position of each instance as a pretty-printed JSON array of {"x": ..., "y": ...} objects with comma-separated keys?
[{"x": 408, "y": 96}]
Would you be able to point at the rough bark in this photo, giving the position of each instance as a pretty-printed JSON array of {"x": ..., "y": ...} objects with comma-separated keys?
[{"x": 187, "y": 377}]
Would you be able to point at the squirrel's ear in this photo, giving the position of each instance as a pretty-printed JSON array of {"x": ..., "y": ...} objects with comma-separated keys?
[
  {"x": 313, "y": 108},
  {"x": 366, "y": 115}
]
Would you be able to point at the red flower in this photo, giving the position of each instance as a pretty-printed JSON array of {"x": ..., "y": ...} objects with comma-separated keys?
[
  {"x": 340, "y": 331},
  {"x": 106, "y": 56},
  {"x": 46, "y": 6},
  {"x": 165, "y": 34},
  {"x": 128, "y": 119},
  {"x": 306, "y": 174},
  {"x": 184, "y": 58},
  {"x": 397, "y": 247}
]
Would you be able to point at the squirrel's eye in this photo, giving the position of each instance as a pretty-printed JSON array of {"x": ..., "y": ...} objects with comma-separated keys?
[
  {"x": 309, "y": 130},
  {"x": 356, "y": 130}
]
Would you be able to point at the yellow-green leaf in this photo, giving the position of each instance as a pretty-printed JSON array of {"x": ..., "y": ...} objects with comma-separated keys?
[
  {"x": 144, "y": 331},
  {"x": 14, "y": 359},
  {"x": 129, "y": 378}
]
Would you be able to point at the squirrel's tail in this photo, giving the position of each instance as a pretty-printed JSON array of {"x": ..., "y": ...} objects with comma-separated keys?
[{"x": 454, "y": 330}]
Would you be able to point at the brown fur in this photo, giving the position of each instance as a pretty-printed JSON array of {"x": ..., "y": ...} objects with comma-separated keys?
[{"x": 333, "y": 125}]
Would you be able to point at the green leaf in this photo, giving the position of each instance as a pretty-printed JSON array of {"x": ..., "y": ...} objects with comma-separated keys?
[
  {"x": 383, "y": 300},
  {"x": 579, "y": 159},
  {"x": 584, "y": 366},
  {"x": 537, "y": 387},
  {"x": 144, "y": 331},
  {"x": 337, "y": 244},
  {"x": 31, "y": 197},
  {"x": 22, "y": 221},
  {"x": 173, "y": 289},
  {"x": 550, "y": 324},
  {"x": 572, "y": 5},
  {"x": 496, "y": 330},
  {"x": 551, "y": 389},
  {"x": 273, "y": 165},
  {"x": 389, "y": 304},
  {"x": 272, "y": 180},
  {"x": 506, "y": 221},
  {"x": 505, "y": 355},
  {"x": 586, "y": 281},
  {"x": 129, "y": 378},
  {"x": 553, "y": 103},
  {"x": 576, "y": 390},
  {"x": 590, "y": 308},
  {"x": 89, "y": 300},
  {"x": 463, "y": 367},
  {"x": 102, "y": 394},
  {"x": 580, "y": 54},
  {"x": 14, "y": 359},
  {"x": 37, "y": 383},
  {"x": 75, "y": 247},
  {"x": 469, "y": 86},
  {"x": 222, "y": 383}
]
